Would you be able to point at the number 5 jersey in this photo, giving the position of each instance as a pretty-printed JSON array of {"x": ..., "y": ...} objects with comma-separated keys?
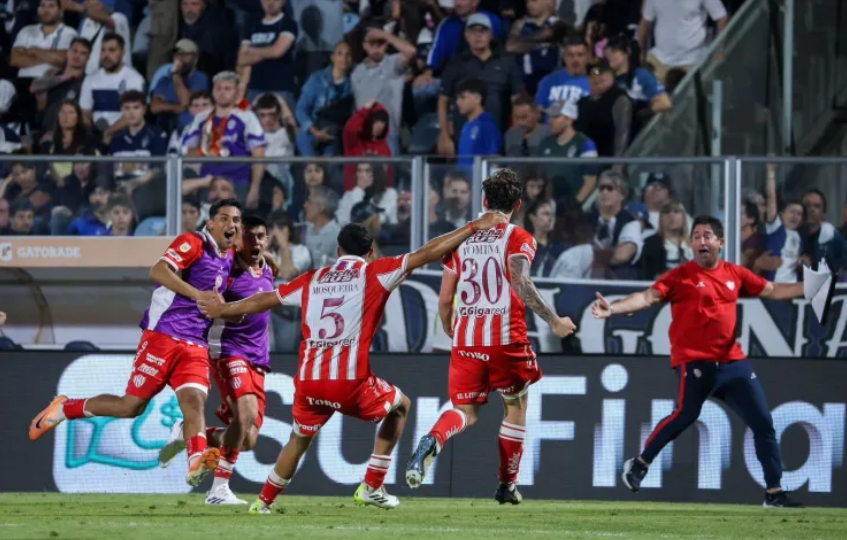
[{"x": 342, "y": 307}]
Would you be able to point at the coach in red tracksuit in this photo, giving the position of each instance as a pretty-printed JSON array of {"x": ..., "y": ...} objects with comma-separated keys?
[
  {"x": 366, "y": 134},
  {"x": 709, "y": 361}
]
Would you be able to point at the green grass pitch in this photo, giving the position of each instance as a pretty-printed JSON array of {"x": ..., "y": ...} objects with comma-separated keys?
[{"x": 185, "y": 517}]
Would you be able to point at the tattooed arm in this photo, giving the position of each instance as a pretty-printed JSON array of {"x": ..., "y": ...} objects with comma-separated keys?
[{"x": 519, "y": 269}]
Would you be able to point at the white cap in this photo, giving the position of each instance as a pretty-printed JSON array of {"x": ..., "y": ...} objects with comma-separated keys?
[
  {"x": 479, "y": 19},
  {"x": 563, "y": 108}
]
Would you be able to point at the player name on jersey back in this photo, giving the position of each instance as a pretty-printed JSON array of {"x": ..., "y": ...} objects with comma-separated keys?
[{"x": 488, "y": 312}]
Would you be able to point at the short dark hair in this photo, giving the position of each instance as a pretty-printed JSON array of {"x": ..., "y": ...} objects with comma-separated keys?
[
  {"x": 354, "y": 239},
  {"x": 457, "y": 175},
  {"x": 191, "y": 201},
  {"x": 503, "y": 189},
  {"x": 819, "y": 193},
  {"x": 112, "y": 36},
  {"x": 57, "y": 2},
  {"x": 22, "y": 206},
  {"x": 82, "y": 41},
  {"x": 251, "y": 221},
  {"x": 473, "y": 86},
  {"x": 524, "y": 99},
  {"x": 198, "y": 94},
  {"x": 752, "y": 210},
  {"x": 788, "y": 202},
  {"x": 268, "y": 101},
  {"x": 711, "y": 221},
  {"x": 573, "y": 38},
  {"x": 215, "y": 208},
  {"x": 133, "y": 96}
]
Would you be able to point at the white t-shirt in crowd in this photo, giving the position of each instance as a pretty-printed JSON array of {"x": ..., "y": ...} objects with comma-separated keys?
[
  {"x": 679, "y": 27},
  {"x": 574, "y": 263},
  {"x": 94, "y": 32},
  {"x": 101, "y": 93},
  {"x": 32, "y": 37}
]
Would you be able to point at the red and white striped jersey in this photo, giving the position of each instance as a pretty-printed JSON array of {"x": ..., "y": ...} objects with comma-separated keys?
[
  {"x": 342, "y": 307},
  {"x": 488, "y": 312}
]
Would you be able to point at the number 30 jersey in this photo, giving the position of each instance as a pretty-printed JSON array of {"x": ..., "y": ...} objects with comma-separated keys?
[
  {"x": 342, "y": 307},
  {"x": 488, "y": 312}
]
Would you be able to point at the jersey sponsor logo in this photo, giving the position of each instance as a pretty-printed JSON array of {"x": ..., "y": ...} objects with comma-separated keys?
[
  {"x": 313, "y": 429},
  {"x": 323, "y": 403},
  {"x": 340, "y": 276},
  {"x": 153, "y": 359},
  {"x": 185, "y": 248},
  {"x": 527, "y": 249},
  {"x": 139, "y": 380},
  {"x": 149, "y": 370},
  {"x": 470, "y": 395},
  {"x": 327, "y": 344},
  {"x": 486, "y": 237},
  {"x": 140, "y": 350},
  {"x": 730, "y": 285},
  {"x": 480, "y": 312},
  {"x": 173, "y": 255},
  {"x": 237, "y": 370},
  {"x": 475, "y": 355}
]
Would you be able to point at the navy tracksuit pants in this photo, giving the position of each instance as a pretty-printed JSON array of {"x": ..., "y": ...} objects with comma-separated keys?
[{"x": 735, "y": 384}]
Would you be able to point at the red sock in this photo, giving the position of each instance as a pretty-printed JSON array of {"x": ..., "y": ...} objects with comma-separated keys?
[
  {"x": 195, "y": 446},
  {"x": 74, "y": 408},
  {"x": 450, "y": 423},
  {"x": 511, "y": 449},
  {"x": 273, "y": 487},
  {"x": 377, "y": 469},
  {"x": 227, "y": 463}
]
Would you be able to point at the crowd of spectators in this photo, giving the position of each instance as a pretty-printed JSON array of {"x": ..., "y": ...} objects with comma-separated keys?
[{"x": 141, "y": 79}]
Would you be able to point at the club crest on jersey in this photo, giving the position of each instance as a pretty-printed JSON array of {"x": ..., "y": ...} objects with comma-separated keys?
[
  {"x": 486, "y": 237},
  {"x": 236, "y": 383},
  {"x": 139, "y": 380},
  {"x": 730, "y": 285},
  {"x": 185, "y": 248}
]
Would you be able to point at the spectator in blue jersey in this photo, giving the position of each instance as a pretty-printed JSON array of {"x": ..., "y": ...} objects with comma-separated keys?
[
  {"x": 269, "y": 53},
  {"x": 450, "y": 39},
  {"x": 121, "y": 215},
  {"x": 782, "y": 238},
  {"x": 173, "y": 85},
  {"x": 94, "y": 216},
  {"x": 228, "y": 131},
  {"x": 533, "y": 42},
  {"x": 481, "y": 136},
  {"x": 646, "y": 92},
  {"x": 569, "y": 83},
  {"x": 141, "y": 180},
  {"x": 100, "y": 97},
  {"x": 326, "y": 103},
  {"x": 568, "y": 179}
]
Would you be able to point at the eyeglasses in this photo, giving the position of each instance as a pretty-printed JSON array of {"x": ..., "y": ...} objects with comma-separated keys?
[{"x": 607, "y": 187}]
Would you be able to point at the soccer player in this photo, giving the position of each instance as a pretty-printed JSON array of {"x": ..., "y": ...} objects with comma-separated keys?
[
  {"x": 342, "y": 307},
  {"x": 708, "y": 360},
  {"x": 240, "y": 358},
  {"x": 491, "y": 351},
  {"x": 173, "y": 346}
]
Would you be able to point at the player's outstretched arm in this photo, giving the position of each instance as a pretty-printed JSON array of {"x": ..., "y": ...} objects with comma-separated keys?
[
  {"x": 163, "y": 274},
  {"x": 215, "y": 308},
  {"x": 521, "y": 281},
  {"x": 638, "y": 301},
  {"x": 782, "y": 291},
  {"x": 436, "y": 248}
]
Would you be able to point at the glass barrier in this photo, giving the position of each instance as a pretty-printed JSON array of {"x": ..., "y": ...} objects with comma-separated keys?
[
  {"x": 791, "y": 212},
  {"x": 607, "y": 219},
  {"x": 81, "y": 195}
]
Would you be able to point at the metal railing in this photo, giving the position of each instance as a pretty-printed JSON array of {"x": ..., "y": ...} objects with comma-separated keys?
[{"x": 716, "y": 186}]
